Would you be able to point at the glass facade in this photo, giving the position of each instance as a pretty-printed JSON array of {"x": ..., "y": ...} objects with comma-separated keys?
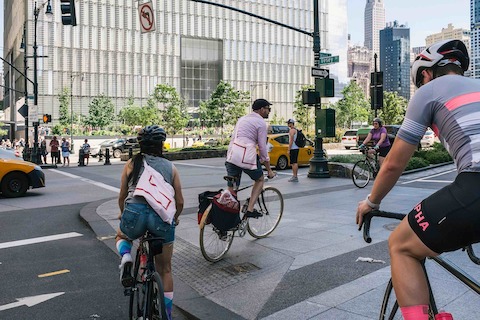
[{"x": 194, "y": 46}]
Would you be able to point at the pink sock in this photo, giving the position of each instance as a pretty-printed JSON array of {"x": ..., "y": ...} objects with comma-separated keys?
[{"x": 419, "y": 312}]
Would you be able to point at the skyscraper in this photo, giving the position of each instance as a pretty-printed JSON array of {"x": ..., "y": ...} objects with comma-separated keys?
[
  {"x": 374, "y": 22},
  {"x": 475, "y": 38},
  {"x": 395, "y": 58}
]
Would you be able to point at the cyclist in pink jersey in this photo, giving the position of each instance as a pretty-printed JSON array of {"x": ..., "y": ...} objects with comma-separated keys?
[{"x": 450, "y": 218}]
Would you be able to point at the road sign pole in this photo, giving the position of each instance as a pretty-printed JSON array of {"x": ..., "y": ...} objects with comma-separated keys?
[{"x": 318, "y": 164}]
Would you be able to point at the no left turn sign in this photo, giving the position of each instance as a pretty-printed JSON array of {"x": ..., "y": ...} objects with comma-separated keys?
[{"x": 147, "y": 18}]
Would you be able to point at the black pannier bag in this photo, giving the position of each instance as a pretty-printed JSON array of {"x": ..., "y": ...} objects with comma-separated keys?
[
  {"x": 224, "y": 216},
  {"x": 204, "y": 200}
]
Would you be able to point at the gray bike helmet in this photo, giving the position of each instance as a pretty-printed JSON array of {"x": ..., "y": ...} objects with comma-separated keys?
[
  {"x": 151, "y": 135},
  {"x": 380, "y": 122},
  {"x": 440, "y": 54}
]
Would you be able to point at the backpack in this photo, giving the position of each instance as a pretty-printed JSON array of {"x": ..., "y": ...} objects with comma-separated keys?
[{"x": 301, "y": 140}]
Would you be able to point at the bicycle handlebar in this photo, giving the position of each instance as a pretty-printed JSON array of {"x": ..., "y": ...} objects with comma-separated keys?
[
  {"x": 376, "y": 213},
  {"x": 367, "y": 219}
]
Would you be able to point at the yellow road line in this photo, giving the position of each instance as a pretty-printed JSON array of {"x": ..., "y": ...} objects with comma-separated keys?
[{"x": 55, "y": 273}]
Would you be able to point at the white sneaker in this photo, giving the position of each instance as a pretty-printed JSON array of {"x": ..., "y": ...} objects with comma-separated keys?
[
  {"x": 293, "y": 179},
  {"x": 126, "y": 270}
]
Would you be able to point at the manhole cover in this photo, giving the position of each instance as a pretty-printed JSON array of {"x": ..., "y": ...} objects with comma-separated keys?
[
  {"x": 241, "y": 268},
  {"x": 391, "y": 226}
]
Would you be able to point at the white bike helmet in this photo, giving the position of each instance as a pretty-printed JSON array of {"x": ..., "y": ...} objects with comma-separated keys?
[{"x": 440, "y": 54}]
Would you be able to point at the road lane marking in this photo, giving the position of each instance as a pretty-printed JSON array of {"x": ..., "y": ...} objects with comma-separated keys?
[
  {"x": 98, "y": 184},
  {"x": 30, "y": 301},
  {"x": 54, "y": 273},
  {"x": 25, "y": 242},
  {"x": 426, "y": 179}
]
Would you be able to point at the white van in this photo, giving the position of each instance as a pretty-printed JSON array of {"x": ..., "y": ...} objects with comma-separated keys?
[{"x": 349, "y": 139}]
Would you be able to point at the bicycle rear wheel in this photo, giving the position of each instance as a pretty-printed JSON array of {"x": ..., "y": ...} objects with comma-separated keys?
[
  {"x": 214, "y": 244},
  {"x": 362, "y": 172},
  {"x": 270, "y": 204},
  {"x": 138, "y": 294}
]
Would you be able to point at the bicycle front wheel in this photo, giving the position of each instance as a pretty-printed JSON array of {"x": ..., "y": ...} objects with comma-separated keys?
[
  {"x": 156, "y": 299},
  {"x": 270, "y": 204},
  {"x": 362, "y": 172},
  {"x": 214, "y": 243},
  {"x": 389, "y": 308}
]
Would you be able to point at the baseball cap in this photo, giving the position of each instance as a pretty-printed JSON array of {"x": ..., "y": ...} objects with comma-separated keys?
[
  {"x": 291, "y": 121},
  {"x": 260, "y": 103}
]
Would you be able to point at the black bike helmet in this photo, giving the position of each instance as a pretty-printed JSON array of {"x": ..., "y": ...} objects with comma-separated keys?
[
  {"x": 151, "y": 135},
  {"x": 380, "y": 122},
  {"x": 440, "y": 54}
]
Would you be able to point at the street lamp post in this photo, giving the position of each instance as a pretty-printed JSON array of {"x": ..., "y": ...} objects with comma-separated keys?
[
  {"x": 73, "y": 75},
  {"x": 36, "y": 13}
]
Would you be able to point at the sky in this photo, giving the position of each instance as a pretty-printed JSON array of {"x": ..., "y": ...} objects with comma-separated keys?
[{"x": 422, "y": 17}]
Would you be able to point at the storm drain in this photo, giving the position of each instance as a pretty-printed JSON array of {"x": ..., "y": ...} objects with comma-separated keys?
[
  {"x": 391, "y": 226},
  {"x": 240, "y": 268}
]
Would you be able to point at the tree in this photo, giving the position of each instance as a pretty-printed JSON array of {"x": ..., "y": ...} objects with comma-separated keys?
[
  {"x": 101, "y": 112},
  {"x": 225, "y": 106},
  {"x": 394, "y": 108},
  {"x": 64, "y": 110},
  {"x": 304, "y": 114},
  {"x": 353, "y": 107},
  {"x": 2, "y": 131},
  {"x": 139, "y": 116},
  {"x": 173, "y": 110}
]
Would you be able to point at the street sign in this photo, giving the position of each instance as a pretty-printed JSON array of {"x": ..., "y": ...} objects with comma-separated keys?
[
  {"x": 147, "y": 18},
  {"x": 320, "y": 73},
  {"x": 329, "y": 60},
  {"x": 324, "y": 54},
  {"x": 32, "y": 114}
]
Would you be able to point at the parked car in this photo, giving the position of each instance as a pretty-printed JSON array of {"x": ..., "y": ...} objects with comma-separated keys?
[
  {"x": 9, "y": 153},
  {"x": 428, "y": 139},
  {"x": 392, "y": 130},
  {"x": 212, "y": 142},
  {"x": 277, "y": 128},
  {"x": 17, "y": 176},
  {"x": 349, "y": 139},
  {"x": 277, "y": 146},
  {"x": 94, "y": 151},
  {"x": 117, "y": 146},
  {"x": 198, "y": 143}
]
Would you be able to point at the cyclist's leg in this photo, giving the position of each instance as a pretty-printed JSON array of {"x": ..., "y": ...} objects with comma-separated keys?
[
  {"x": 409, "y": 282},
  {"x": 163, "y": 261},
  {"x": 257, "y": 176},
  {"x": 233, "y": 171},
  {"x": 382, "y": 153},
  {"x": 132, "y": 226}
]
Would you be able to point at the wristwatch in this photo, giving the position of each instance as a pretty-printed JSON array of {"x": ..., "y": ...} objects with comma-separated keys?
[{"x": 371, "y": 204}]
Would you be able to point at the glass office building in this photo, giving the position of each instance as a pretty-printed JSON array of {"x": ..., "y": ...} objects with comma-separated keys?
[
  {"x": 194, "y": 46},
  {"x": 475, "y": 38}
]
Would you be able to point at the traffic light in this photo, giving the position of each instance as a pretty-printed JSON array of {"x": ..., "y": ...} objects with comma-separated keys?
[
  {"x": 47, "y": 118},
  {"x": 68, "y": 12}
]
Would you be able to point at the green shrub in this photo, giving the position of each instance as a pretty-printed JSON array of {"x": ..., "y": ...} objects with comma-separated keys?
[
  {"x": 415, "y": 163},
  {"x": 436, "y": 156},
  {"x": 351, "y": 158}
]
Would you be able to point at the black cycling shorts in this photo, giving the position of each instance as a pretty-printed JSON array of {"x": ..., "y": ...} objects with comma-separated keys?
[
  {"x": 383, "y": 151},
  {"x": 449, "y": 219}
]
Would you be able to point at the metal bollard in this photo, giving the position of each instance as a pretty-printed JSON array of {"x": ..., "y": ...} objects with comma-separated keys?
[
  {"x": 130, "y": 153},
  {"x": 107, "y": 157},
  {"x": 81, "y": 158}
]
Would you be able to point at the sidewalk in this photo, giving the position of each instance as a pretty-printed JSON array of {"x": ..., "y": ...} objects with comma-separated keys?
[{"x": 306, "y": 269}]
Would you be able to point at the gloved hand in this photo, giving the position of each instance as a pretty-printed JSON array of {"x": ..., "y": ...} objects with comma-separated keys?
[
  {"x": 362, "y": 146},
  {"x": 376, "y": 147}
]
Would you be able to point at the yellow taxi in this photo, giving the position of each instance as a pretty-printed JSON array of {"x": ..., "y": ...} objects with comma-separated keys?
[
  {"x": 17, "y": 176},
  {"x": 277, "y": 146}
]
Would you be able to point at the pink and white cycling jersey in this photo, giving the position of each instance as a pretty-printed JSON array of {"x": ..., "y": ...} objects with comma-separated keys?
[{"x": 450, "y": 105}]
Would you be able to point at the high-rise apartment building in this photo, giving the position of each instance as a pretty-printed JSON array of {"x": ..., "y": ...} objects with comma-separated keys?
[
  {"x": 475, "y": 38},
  {"x": 194, "y": 46},
  {"x": 395, "y": 58},
  {"x": 374, "y": 22}
]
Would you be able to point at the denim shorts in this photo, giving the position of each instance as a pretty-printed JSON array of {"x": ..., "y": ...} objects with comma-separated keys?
[{"x": 137, "y": 218}]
